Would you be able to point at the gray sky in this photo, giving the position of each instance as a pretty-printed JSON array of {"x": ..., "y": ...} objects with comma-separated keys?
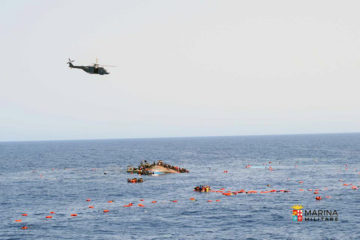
[{"x": 185, "y": 68}]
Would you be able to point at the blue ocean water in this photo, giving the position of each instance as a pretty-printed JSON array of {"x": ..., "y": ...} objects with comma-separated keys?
[{"x": 39, "y": 177}]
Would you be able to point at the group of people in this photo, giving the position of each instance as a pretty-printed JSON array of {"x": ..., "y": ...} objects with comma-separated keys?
[
  {"x": 135, "y": 180},
  {"x": 144, "y": 171},
  {"x": 202, "y": 188},
  {"x": 140, "y": 170},
  {"x": 176, "y": 168}
]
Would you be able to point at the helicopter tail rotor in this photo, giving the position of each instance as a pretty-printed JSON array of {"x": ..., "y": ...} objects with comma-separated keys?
[{"x": 70, "y": 62}]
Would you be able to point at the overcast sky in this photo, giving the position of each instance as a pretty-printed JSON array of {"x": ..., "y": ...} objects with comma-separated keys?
[{"x": 184, "y": 68}]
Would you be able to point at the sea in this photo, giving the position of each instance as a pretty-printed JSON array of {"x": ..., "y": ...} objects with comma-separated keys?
[{"x": 44, "y": 183}]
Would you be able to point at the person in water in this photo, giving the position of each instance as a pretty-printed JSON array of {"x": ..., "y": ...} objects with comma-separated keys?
[
  {"x": 202, "y": 188},
  {"x": 135, "y": 180}
]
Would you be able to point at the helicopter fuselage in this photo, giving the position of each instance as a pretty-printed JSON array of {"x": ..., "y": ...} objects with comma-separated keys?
[{"x": 91, "y": 69}]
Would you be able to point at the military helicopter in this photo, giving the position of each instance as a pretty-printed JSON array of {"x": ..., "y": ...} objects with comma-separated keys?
[{"x": 94, "y": 69}]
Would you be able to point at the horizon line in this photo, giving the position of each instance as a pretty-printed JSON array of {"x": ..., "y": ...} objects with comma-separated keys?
[{"x": 212, "y": 136}]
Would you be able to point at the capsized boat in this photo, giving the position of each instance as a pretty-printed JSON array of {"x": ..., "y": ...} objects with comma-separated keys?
[{"x": 160, "y": 167}]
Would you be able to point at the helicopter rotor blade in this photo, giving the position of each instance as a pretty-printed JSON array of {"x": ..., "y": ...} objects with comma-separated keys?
[
  {"x": 107, "y": 65},
  {"x": 102, "y": 65}
]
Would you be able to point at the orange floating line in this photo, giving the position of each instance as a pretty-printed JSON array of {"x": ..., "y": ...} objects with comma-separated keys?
[
  {"x": 73, "y": 214},
  {"x": 52, "y": 212},
  {"x": 91, "y": 206},
  {"x": 105, "y": 211},
  {"x": 88, "y": 200},
  {"x": 128, "y": 205},
  {"x": 110, "y": 201},
  {"x": 217, "y": 200},
  {"x": 24, "y": 214},
  {"x": 141, "y": 205},
  {"x": 24, "y": 227},
  {"x": 192, "y": 199},
  {"x": 48, "y": 217},
  {"x": 154, "y": 202},
  {"x": 18, "y": 220},
  {"x": 209, "y": 200},
  {"x": 227, "y": 194}
]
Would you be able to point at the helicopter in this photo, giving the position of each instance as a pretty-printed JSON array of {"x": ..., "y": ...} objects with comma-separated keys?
[{"x": 94, "y": 69}]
